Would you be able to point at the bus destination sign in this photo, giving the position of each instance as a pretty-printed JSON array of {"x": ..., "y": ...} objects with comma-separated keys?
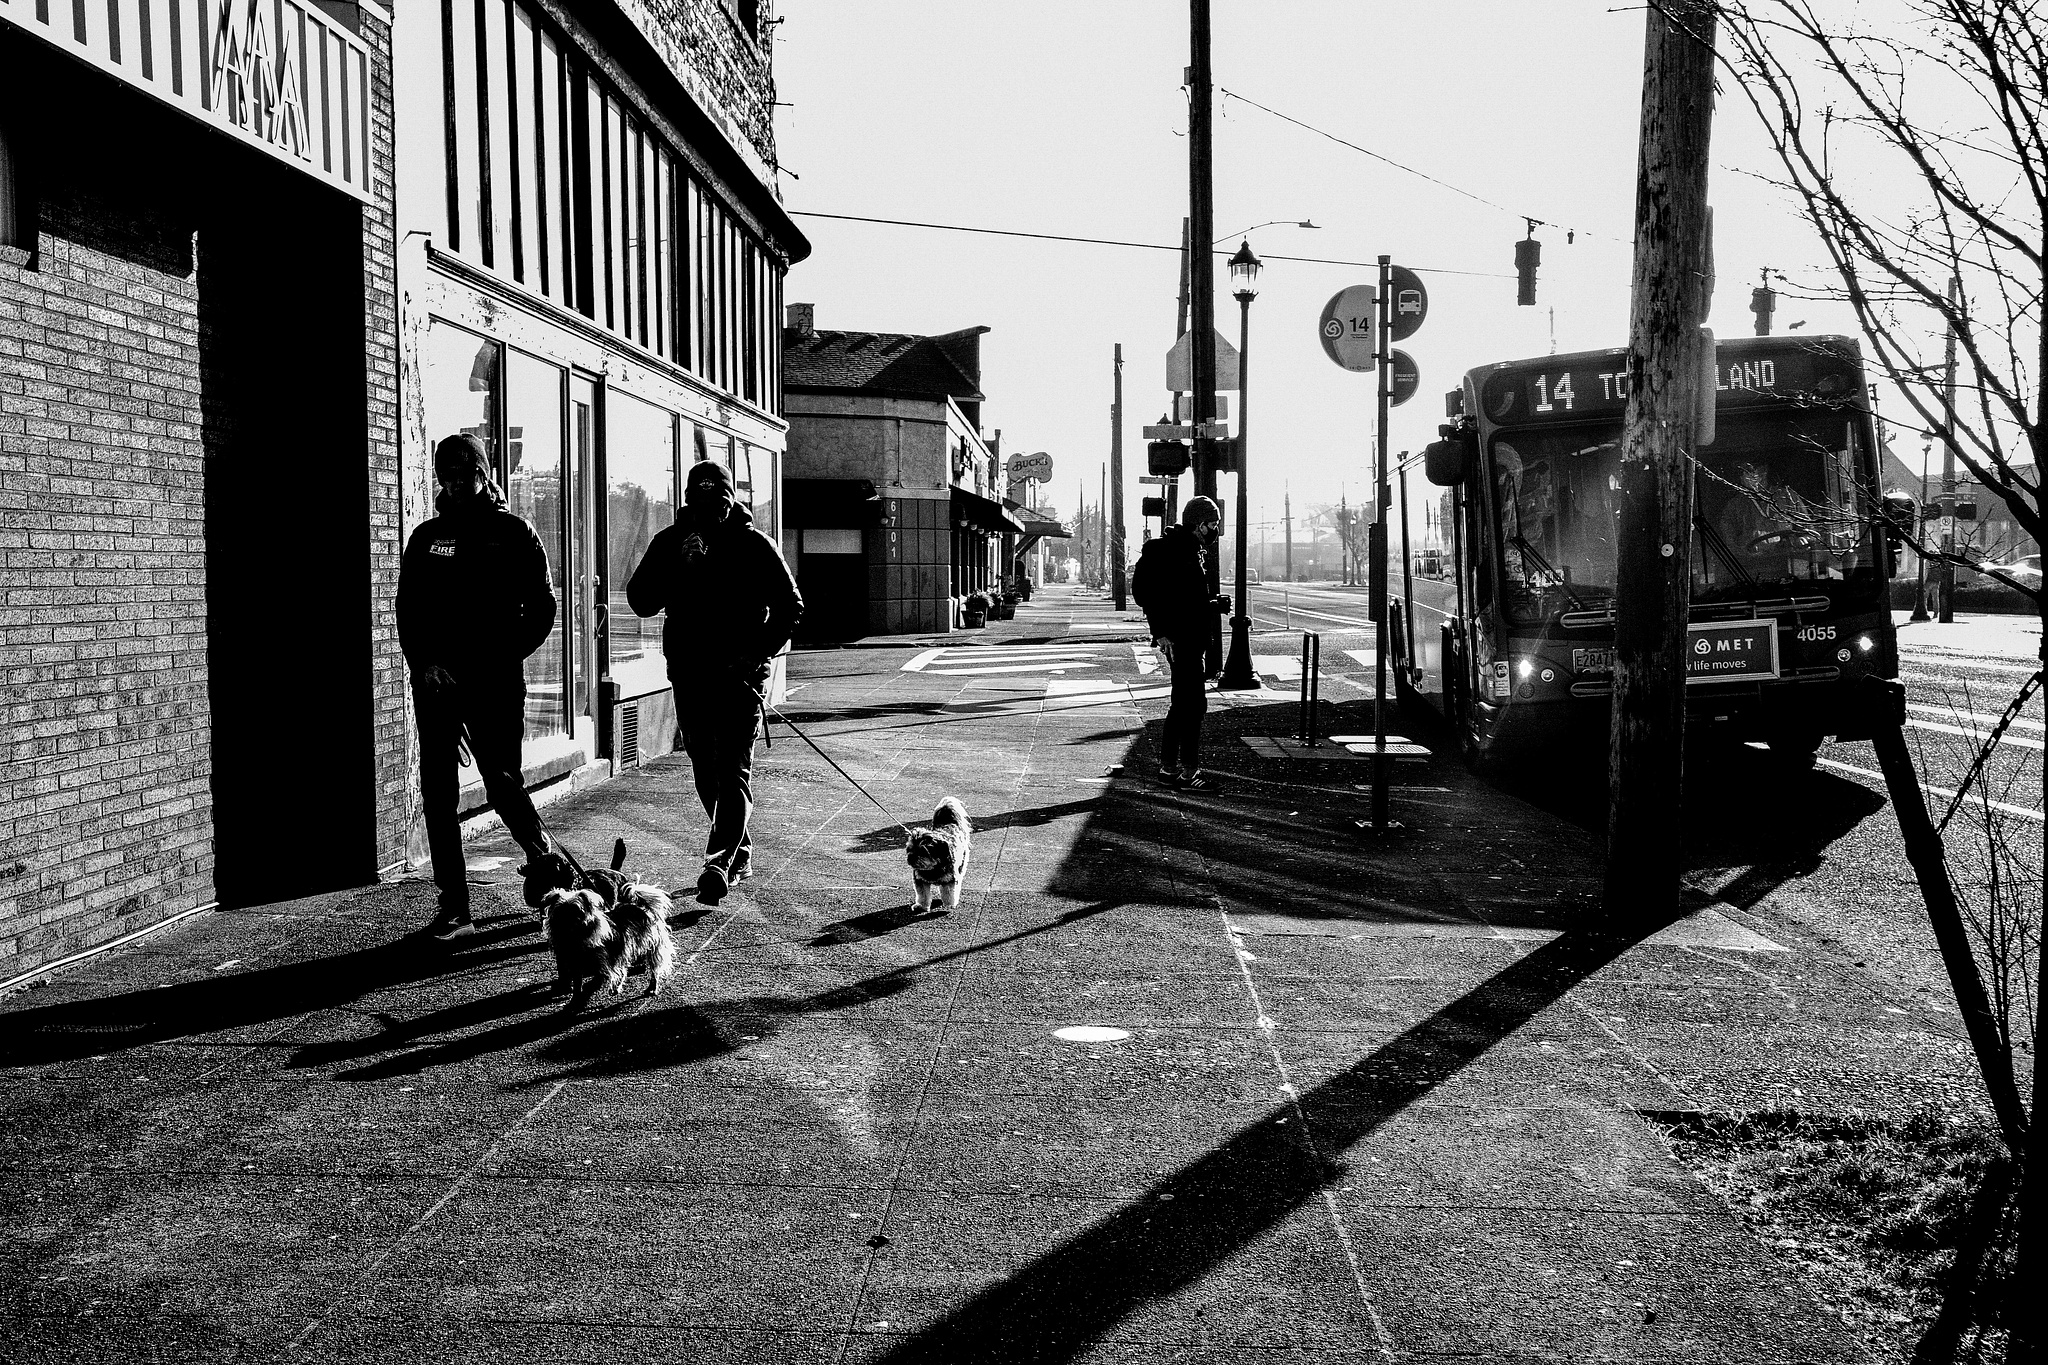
[
  {"x": 1582, "y": 387},
  {"x": 1731, "y": 651}
]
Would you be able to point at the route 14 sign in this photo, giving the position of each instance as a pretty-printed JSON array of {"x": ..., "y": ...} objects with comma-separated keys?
[{"x": 1346, "y": 327}]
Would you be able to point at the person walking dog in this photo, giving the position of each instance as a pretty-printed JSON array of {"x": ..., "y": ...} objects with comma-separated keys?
[
  {"x": 473, "y": 601},
  {"x": 1171, "y": 585},
  {"x": 731, "y": 607}
]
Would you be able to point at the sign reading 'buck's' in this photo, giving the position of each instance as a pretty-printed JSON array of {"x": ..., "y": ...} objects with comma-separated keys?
[{"x": 278, "y": 74}]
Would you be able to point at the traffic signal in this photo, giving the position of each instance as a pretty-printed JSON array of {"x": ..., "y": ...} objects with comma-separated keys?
[
  {"x": 1166, "y": 458},
  {"x": 1528, "y": 255},
  {"x": 1152, "y": 507}
]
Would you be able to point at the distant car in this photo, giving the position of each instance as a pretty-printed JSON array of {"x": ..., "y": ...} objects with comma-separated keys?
[{"x": 2026, "y": 570}]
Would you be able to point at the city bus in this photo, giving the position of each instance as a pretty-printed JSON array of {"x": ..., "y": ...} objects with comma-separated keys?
[{"x": 1792, "y": 554}]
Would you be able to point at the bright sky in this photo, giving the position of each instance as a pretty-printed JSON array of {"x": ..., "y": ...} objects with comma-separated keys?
[{"x": 1067, "y": 116}]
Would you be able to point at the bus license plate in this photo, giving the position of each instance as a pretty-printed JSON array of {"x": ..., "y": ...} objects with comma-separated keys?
[{"x": 1731, "y": 651}]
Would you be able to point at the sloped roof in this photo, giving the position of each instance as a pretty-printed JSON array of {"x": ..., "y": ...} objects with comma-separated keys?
[{"x": 884, "y": 362}]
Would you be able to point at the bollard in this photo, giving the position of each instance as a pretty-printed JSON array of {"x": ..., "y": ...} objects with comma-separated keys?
[{"x": 1311, "y": 687}]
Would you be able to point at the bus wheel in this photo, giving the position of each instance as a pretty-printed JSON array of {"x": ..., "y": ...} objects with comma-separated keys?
[{"x": 1796, "y": 751}]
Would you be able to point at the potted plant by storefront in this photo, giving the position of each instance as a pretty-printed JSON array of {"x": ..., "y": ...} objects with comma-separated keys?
[{"x": 974, "y": 611}]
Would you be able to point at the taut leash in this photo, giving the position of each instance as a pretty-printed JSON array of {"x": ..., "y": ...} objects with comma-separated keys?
[{"x": 767, "y": 710}]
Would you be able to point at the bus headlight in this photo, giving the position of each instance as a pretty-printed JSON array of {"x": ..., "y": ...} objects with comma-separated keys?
[
  {"x": 1865, "y": 643},
  {"x": 1523, "y": 668}
]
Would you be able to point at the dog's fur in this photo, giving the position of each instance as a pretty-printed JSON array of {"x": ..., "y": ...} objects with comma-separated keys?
[
  {"x": 553, "y": 871},
  {"x": 938, "y": 856},
  {"x": 598, "y": 946}
]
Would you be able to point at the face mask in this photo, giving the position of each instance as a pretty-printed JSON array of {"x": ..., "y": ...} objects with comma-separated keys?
[{"x": 709, "y": 500}]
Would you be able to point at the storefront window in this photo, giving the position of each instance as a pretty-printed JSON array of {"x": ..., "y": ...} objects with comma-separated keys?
[
  {"x": 460, "y": 383},
  {"x": 640, "y": 479},
  {"x": 533, "y": 490}
]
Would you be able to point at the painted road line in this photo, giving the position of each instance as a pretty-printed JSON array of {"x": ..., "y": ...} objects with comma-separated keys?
[
  {"x": 1954, "y": 714},
  {"x": 1966, "y": 662},
  {"x": 1931, "y": 789},
  {"x": 1052, "y": 666},
  {"x": 1148, "y": 659},
  {"x": 1279, "y": 665},
  {"x": 1978, "y": 735},
  {"x": 1276, "y": 609}
]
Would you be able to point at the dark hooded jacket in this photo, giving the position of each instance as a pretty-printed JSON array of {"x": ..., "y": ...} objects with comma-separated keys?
[
  {"x": 730, "y": 600},
  {"x": 1171, "y": 584},
  {"x": 473, "y": 591}
]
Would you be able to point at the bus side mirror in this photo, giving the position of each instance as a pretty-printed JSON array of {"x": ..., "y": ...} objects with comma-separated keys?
[
  {"x": 1446, "y": 462},
  {"x": 1897, "y": 511}
]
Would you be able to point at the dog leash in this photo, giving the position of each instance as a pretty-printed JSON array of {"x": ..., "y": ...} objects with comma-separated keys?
[
  {"x": 468, "y": 742},
  {"x": 767, "y": 710}
]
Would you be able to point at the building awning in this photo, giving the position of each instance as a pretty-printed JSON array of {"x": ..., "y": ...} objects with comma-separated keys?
[
  {"x": 985, "y": 514},
  {"x": 824, "y": 503}
]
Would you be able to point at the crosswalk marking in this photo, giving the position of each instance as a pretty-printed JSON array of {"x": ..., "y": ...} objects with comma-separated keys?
[
  {"x": 984, "y": 659},
  {"x": 1279, "y": 665}
]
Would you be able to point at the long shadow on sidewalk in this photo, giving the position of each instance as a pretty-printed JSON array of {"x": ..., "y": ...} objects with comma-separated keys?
[
  {"x": 1202, "y": 1215},
  {"x": 1282, "y": 841}
]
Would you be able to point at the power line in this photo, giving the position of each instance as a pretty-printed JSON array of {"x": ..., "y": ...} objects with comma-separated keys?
[
  {"x": 1570, "y": 232},
  {"x": 1110, "y": 241}
]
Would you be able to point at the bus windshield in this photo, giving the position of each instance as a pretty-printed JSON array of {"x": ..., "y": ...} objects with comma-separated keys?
[{"x": 1780, "y": 510}]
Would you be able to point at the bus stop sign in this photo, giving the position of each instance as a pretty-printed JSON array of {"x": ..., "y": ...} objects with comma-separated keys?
[
  {"x": 1410, "y": 302},
  {"x": 1403, "y": 379}
]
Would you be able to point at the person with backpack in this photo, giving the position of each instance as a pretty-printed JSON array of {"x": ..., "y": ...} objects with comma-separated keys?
[
  {"x": 731, "y": 607},
  {"x": 1171, "y": 585}
]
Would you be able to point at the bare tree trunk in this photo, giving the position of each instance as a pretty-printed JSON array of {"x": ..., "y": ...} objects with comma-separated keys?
[
  {"x": 1653, "y": 580},
  {"x": 2029, "y": 1342}
]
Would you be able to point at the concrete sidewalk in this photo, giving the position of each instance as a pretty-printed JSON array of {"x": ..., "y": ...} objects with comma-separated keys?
[{"x": 1328, "y": 1101}]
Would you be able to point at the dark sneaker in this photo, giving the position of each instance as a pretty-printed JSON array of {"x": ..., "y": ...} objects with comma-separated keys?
[
  {"x": 711, "y": 886},
  {"x": 449, "y": 921}
]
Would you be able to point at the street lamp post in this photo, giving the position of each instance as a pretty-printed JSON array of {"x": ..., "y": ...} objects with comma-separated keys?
[{"x": 1244, "y": 278}]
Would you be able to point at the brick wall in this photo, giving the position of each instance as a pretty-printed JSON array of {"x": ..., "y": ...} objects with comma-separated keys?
[
  {"x": 104, "y": 800},
  {"x": 393, "y": 713}
]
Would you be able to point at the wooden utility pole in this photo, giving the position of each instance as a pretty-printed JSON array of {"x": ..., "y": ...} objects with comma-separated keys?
[
  {"x": 1653, "y": 580},
  {"x": 1101, "y": 566},
  {"x": 1116, "y": 482},
  {"x": 1948, "y": 465},
  {"x": 1202, "y": 279},
  {"x": 1287, "y": 519}
]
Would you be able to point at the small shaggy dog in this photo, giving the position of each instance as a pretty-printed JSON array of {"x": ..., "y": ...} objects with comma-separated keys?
[
  {"x": 938, "y": 856},
  {"x": 598, "y": 946},
  {"x": 602, "y": 925}
]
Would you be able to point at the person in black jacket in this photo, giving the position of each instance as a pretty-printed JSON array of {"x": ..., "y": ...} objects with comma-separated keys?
[
  {"x": 731, "y": 607},
  {"x": 1171, "y": 584},
  {"x": 473, "y": 601}
]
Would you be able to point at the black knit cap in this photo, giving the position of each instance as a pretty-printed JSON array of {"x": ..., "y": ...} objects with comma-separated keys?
[
  {"x": 461, "y": 453},
  {"x": 707, "y": 471}
]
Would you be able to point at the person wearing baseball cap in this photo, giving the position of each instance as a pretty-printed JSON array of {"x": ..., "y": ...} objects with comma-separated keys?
[
  {"x": 732, "y": 606},
  {"x": 1171, "y": 585}
]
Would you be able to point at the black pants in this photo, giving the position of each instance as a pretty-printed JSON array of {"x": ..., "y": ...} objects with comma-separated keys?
[
  {"x": 720, "y": 717},
  {"x": 492, "y": 703},
  {"x": 1181, "y": 744}
]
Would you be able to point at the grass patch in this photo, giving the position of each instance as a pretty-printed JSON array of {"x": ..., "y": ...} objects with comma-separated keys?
[{"x": 1902, "y": 1228}]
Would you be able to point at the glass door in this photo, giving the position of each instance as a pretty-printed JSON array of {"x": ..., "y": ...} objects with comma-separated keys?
[
  {"x": 581, "y": 607},
  {"x": 535, "y": 491}
]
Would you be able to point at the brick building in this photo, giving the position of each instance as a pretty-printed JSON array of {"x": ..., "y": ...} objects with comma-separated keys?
[
  {"x": 895, "y": 508},
  {"x": 198, "y": 462}
]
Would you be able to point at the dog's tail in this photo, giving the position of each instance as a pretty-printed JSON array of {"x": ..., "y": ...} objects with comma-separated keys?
[
  {"x": 951, "y": 812},
  {"x": 618, "y": 854}
]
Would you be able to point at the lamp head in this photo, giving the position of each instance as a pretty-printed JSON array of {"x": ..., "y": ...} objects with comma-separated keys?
[{"x": 1244, "y": 273}]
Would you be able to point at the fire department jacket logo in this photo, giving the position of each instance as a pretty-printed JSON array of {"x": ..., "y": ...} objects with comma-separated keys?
[{"x": 442, "y": 547}]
